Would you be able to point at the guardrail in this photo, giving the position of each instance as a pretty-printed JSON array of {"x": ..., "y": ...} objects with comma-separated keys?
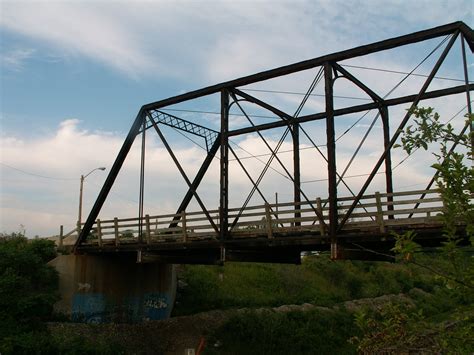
[{"x": 376, "y": 213}]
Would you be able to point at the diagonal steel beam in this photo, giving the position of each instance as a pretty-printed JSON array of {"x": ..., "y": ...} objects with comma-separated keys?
[
  {"x": 197, "y": 180},
  {"x": 109, "y": 181},
  {"x": 183, "y": 174},
  {"x": 263, "y": 104},
  {"x": 255, "y": 185},
  {"x": 260, "y": 178},
  {"x": 346, "y": 74},
  {"x": 326, "y": 159}
]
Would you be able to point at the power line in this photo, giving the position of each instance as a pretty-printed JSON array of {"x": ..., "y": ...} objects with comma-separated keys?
[
  {"x": 345, "y": 177},
  {"x": 217, "y": 113},
  {"x": 302, "y": 94},
  {"x": 279, "y": 152},
  {"x": 400, "y": 72},
  {"x": 36, "y": 175}
]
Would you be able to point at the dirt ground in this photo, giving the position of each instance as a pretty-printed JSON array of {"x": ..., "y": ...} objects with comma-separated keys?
[{"x": 171, "y": 336}]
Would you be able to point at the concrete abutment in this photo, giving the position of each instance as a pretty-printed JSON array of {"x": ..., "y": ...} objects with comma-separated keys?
[{"x": 111, "y": 288}]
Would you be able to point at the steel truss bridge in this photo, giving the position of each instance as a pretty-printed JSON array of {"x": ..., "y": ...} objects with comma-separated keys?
[{"x": 359, "y": 226}]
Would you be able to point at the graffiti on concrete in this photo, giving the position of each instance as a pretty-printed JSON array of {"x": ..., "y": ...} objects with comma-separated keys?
[
  {"x": 156, "y": 303},
  {"x": 88, "y": 308},
  {"x": 156, "y": 306},
  {"x": 96, "y": 308}
]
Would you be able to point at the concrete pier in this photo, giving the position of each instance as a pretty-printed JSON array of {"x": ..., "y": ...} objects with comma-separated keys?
[{"x": 109, "y": 288}]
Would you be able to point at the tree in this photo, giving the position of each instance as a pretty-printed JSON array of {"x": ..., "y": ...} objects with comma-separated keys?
[{"x": 454, "y": 177}]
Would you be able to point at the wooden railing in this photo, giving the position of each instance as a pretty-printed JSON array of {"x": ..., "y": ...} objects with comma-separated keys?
[{"x": 376, "y": 213}]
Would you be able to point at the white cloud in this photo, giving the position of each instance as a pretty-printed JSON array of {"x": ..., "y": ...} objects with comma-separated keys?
[
  {"x": 215, "y": 40},
  {"x": 15, "y": 59},
  {"x": 86, "y": 29}
]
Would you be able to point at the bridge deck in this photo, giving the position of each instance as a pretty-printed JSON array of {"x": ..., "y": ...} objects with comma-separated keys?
[{"x": 273, "y": 225}]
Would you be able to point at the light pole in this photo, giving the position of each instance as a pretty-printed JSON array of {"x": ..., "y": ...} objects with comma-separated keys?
[{"x": 83, "y": 177}]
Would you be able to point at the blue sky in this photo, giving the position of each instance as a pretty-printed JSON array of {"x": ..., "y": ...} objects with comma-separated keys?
[{"x": 74, "y": 74}]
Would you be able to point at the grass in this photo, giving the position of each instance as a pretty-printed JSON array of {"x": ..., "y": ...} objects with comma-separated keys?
[
  {"x": 285, "y": 333},
  {"x": 318, "y": 280}
]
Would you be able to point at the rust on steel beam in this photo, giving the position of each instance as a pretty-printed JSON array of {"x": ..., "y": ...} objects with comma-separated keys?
[
  {"x": 359, "y": 108},
  {"x": 312, "y": 63},
  {"x": 346, "y": 74},
  {"x": 295, "y": 133},
  {"x": 141, "y": 199},
  {"x": 109, "y": 181},
  {"x": 265, "y": 105},
  {"x": 224, "y": 167},
  {"x": 388, "y": 158},
  {"x": 331, "y": 152}
]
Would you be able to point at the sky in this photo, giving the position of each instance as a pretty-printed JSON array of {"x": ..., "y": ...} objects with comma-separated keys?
[{"x": 73, "y": 75}]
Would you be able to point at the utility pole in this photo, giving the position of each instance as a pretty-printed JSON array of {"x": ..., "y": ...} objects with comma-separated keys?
[{"x": 81, "y": 189}]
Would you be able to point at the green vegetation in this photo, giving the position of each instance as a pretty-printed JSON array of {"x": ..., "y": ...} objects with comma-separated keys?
[
  {"x": 437, "y": 324},
  {"x": 309, "y": 332},
  {"x": 27, "y": 292},
  {"x": 318, "y": 281}
]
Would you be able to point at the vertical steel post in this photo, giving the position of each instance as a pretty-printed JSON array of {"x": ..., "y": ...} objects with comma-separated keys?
[
  {"x": 295, "y": 132},
  {"x": 388, "y": 158},
  {"x": 61, "y": 236},
  {"x": 276, "y": 203},
  {"x": 81, "y": 189},
  {"x": 468, "y": 95},
  {"x": 142, "y": 185},
  {"x": 331, "y": 151},
  {"x": 224, "y": 166}
]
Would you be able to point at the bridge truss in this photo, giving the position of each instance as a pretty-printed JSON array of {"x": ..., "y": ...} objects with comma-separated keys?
[{"x": 234, "y": 96}]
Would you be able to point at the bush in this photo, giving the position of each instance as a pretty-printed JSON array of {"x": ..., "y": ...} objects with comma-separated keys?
[{"x": 28, "y": 286}]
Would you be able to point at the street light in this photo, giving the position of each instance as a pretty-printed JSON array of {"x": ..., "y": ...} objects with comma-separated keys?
[{"x": 83, "y": 177}]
